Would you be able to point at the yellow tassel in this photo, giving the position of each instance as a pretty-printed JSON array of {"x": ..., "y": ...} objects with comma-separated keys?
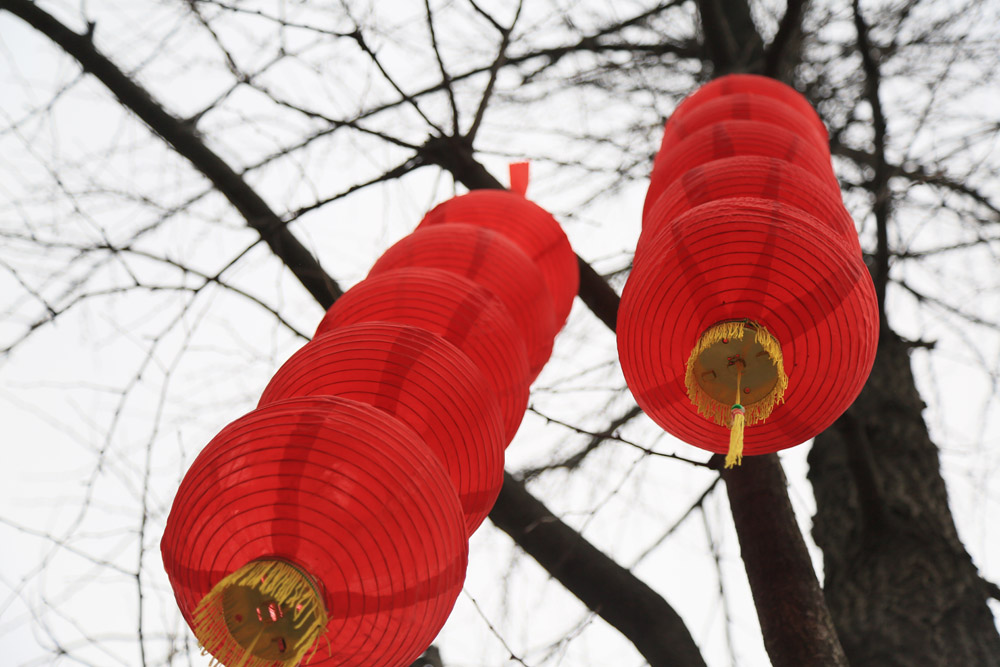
[
  {"x": 717, "y": 411},
  {"x": 735, "y": 455},
  {"x": 708, "y": 406},
  {"x": 268, "y": 613}
]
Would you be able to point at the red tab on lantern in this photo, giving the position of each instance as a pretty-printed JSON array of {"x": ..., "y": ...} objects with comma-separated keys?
[{"x": 519, "y": 177}]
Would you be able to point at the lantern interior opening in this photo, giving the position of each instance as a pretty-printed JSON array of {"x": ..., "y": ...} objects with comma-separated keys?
[
  {"x": 271, "y": 614},
  {"x": 736, "y": 363}
]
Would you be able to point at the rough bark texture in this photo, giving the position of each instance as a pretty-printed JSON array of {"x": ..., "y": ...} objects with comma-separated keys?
[
  {"x": 899, "y": 583},
  {"x": 794, "y": 620},
  {"x": 731, "y": 40}
]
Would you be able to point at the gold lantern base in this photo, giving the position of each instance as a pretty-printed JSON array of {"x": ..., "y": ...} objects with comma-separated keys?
[
  {"x": 736, "y": 379},
  {"x": 266, "y": 614}
]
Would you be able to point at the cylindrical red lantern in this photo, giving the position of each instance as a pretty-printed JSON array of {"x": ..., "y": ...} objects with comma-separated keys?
[
  {"x": 422, "y": 380},
  {"x": 468, "y": 316},
  {"x": 341, "y": 506},
  {"x": 529, "y": 226},
  {"x": 748, "y": 303},
  {"x": 315, "y": 516},
  {"x": 758, "y": 86},
  {"x": 739, "y": 137},
  {"x": 742, "y": 106},
  {"x": 492, "y": 261},
  {"x": 751, "y": 176},
  {"x": 760, "y": 266}
]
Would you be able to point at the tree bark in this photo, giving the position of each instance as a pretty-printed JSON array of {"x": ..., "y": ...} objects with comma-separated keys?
[
  {"x": 797, "y": 628},
  {"x": 899, "y": 583}
]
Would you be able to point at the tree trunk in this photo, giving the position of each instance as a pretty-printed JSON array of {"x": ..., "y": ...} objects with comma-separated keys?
[
  {"x": 794, "y": 620},
  {"x": 899, "y": 583}
]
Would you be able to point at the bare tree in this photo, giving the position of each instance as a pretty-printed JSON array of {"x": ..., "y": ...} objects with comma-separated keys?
[{"x": 168, "y": 165}]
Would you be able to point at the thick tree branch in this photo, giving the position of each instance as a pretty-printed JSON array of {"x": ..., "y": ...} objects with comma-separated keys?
[
  {"x": 731, "y": 41},
  {"x": 782, "y": 52},
  {"x": 185, "y": 140},
  {"x": 797, "y": 627},
  {"x": 611, "y": 591}
]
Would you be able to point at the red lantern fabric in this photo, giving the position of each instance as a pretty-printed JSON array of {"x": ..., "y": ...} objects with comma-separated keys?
[
  {"x": 346, "y": 493},
  {"x": 468, "y": 316},
  {"x": 739, "y": 137},
  {"x": 744, "y": 231},
  {"x": 338, "y": 511},
  {"x": 742, "y": 106},
  {"x": 527, "y": 225},
  {"x": 751, "y": 176},
  {"x": 744, "y": 258},
  {"x": 420, "y": 379},
  {"x": 490, "y": 260},
  {"x": 758, "y": 86}
]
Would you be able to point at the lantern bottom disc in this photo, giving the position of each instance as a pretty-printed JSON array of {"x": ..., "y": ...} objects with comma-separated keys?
[
  {"x": 736, "y": 380},
  {"x": 267, "y": 613}
]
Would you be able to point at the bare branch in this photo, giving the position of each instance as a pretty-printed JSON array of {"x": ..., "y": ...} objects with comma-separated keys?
[
  {"x": 607, "y": 588},
  {"x": 186, "y": 142},
  {"x": 879, "y": 185}
]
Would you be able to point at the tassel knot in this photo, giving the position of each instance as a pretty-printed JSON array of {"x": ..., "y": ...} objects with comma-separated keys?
[{"x": 735, "y": 455}]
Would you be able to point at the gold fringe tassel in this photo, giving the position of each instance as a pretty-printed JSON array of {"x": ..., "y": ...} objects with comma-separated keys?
[
  {"x": 735, "y": 455},
  {"x": 273, "y": 580},
  {"x": 736, "y": 416},
  {"x": 712, "y": 409}
]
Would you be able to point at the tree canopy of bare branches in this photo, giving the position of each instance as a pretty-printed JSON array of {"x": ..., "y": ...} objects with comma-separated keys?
[{"x": 187, "y": 184}]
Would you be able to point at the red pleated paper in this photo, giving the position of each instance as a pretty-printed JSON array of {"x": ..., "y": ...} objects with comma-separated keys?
[
  {"x": 759, "y": 86},
  {"x": 491, "y": 261},
  {"x": 751, "y": 176},
  {"x": 739, "y": 138},
  {"x": 343, "y": 491},
  {"x": 759, "y": 259},
  {"x": 742, "y": 106},
  {"x": 420, "y": 379},
  {"x": 468, "y": 316},
  {"x": 530, "y": 227}
]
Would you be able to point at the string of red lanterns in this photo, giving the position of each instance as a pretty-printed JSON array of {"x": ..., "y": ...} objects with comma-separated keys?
[
  {"x": 330, "y": 525},
  {"x": 748, "y": 303}
]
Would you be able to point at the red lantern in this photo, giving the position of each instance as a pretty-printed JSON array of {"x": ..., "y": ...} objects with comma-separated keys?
[
  {"x": 309, "y": 517},
  {"x": 742, "y": 106},
  {"x": 758, "y": 86},
  {"x": 420, "y": 379},
  {"x": 772, "y": 265},
  {"x": 751, "y": 176},
  {"x": 529, "y": 226},
  {"x": 748, "y": 303},
  {"x": 342, "y": 504},
  {"x": 468, "y": 316},
  {"x": 490, "y": 260},
  {"x": 739, "y": 137}
]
